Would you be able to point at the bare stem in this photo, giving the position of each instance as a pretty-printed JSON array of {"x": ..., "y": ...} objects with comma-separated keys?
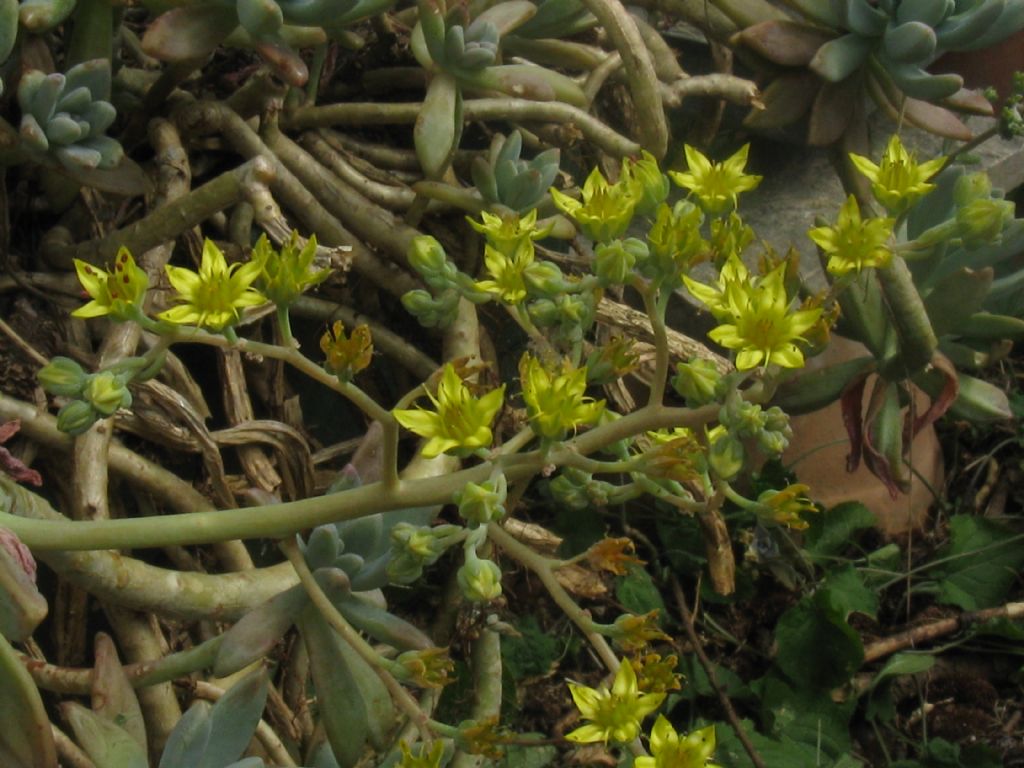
[{"x": 544, "y": 570}]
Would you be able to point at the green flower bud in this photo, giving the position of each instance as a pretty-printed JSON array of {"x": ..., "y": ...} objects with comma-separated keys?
[
  {"x": 981, "y": 222},
  {"x": 577, "y": 489},
  {"x": 726, "y": 457},
  {"x": 971, "y": 187},
  {"x": 76, "y": 417},
  {"x": 675, "y": 240},
  {"x": 650, "y": 185},
  {"x": 480, "y": 580},
  {"x": 479, "y": 504},
  {"x": 428, "y": 258},
  {"x": 414, "y": 547},
  {"x": 773, "y": 443},
  {"x": 614, "y": 261},
  {"x": 429, "y": 311},
  {"x": 63, "y": 377},
  {"x": 545, "y": 277},
  {"x": 106, "y": 392},
  {"x": 543, "y": 312},
  {"x": 697, "y": 382}
]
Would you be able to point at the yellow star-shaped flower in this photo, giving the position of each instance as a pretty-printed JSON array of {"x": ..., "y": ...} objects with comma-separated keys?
[
  {"x": 853, "y": 243},
  {"x": 461, "y": 420},
  {"x": 614, "y": 714},
  {"x": 118, "y": 293},
  {"x": 716, "y": 185},
  {"x": 898, "y": 181},
  {"x": 213, "y": 297},
  {"x": 605, "y": 210},
  {"x": 555, "y": 402},
  {"x": 670, "y": 750},
  {"x": 756, "y": 318}
]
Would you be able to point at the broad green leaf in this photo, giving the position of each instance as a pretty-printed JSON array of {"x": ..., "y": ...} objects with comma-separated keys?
[
  {"x": 982, "y": 561},
  {"x": 807, "y": 715},
  {"x": 815, "y": 651},
  {"x": 843, "y": 592},
  {"x": 831, "y": 532},
  {"x": 637, "y": 593},
  {"x": 904, "y": 664},
  {"x": 112, "y": 694},
  {"x": 187, "y": 742},
  {"x": 108, "y": 745},
  {"x": 234, "y": 718},
  {"x": 25, "y": 737}
]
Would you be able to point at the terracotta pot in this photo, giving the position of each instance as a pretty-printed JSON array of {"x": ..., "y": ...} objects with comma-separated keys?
[
  {"x": 820, "y": 446},
  {"x": 990, "y": 66}
]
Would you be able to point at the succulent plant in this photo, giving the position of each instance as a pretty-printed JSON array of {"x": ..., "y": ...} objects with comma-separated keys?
[
  {"x": 273, "y": 28},
  {"x": 882, "y": 48},
  {"x": 8, "y": 30},
  {"x": 503, "y": 178},
  {"x": 557, "y": 18},
  {"x": 959, "y": 241},
  {"x": 67, "y": 115},
  {"x": 42, "y": 15}
]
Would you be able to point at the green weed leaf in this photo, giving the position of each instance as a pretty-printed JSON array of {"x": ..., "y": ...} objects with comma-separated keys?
[
  {"x": 982, "y": 561},
  {"x": 830, "y": 533}
]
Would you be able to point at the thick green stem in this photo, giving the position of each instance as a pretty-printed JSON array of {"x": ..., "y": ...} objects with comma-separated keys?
[
  {"x": 917, "y": 341},
  {"x": 168, "y": 221},
  {"x": 513, "y": 110},
  {"x": 207, "y": 117},
  {"x": 643, "y": 81},
  {"x": 280, "y": 520}
]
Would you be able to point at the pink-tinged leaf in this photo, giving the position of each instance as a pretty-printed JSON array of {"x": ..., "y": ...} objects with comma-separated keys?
[
  {"x": 786, "y": 99},
  {"x": 21, "y": 554},
  {"x": 883, "y": 439},
  {"x": 788, "y": 43},
  {"x": 113, "y": 697},
  {"x": 971, "y": 102},
  {"x": 942, "y": 401},
  {"x": 288, "y": 65},
  {"x": 935, "y": 119},
  {"x": 852, "y": 401},
  {"x": 832, "y": 112},
  {"x": 184, "y": 34},
  {"x": 11, "y": 464}
]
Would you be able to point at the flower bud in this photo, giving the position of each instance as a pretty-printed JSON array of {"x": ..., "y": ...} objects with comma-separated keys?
[
  {"x": 106, "y": 392},
  {"x": 431, "y": 312},
  {"x": 479, "y": 579},
  {"x": 614, "y": 261},
  {"x": 545, "y": 277},
  {"x": 697, "y": 382},
  {"x": 63, "y": 377},
  {"x": 650, "y": 185},
  {"x": 726, "y": 457},
  {"x": 76, "y": 417},
  {"x": 971, "y": 187},
  {"x": 981, "y": 222},
  {"x": 480, "y": 504},
  {"x": 428, "y": 258}
]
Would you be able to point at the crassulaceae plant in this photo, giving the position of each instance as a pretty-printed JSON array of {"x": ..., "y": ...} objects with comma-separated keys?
[
  {"x": 826, "y": 55},
  {"x": 66, "y": 116},
  {"x": 273, "y": 28}
]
